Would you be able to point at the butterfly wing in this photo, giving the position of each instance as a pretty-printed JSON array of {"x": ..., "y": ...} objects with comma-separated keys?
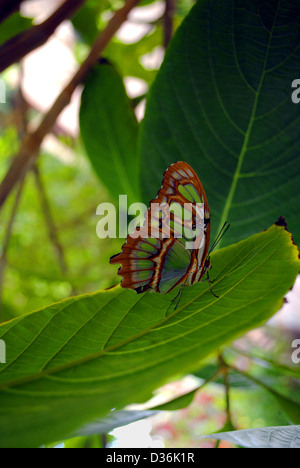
[
  {"x": 152, "y": 263},
  {"x": 182, "y": 186},
  {"x": 164, "y": 260}
]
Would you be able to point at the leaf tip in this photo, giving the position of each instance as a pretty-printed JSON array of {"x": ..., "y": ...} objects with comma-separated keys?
[{"x": 281, "y": 222}]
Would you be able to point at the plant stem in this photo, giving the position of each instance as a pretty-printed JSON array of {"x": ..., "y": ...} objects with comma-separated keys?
[
  {"x": 7, "y": 236},
  {"x": 225, "y": 370},
  {"x": 22, "y": 44},
  {"x": 168, "y": 21},
  {"x": 49, "y": 220}
]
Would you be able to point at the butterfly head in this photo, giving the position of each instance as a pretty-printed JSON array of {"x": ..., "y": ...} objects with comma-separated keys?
[{"x": 207, "y": 265}]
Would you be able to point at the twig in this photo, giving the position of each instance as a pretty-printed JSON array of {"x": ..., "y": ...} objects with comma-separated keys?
[
  {"x": 20, "y": 114},
  {"x": 168, "y": 22},
  {"x": 225, "y": 370},
  {"x": 227, "y": 396},
  {"x": 7, "y": 7},
  {"x": 7, "y": 236},
  {"x": 31, "y": 144},
  {"x": 103, "y": 440},
  {"x": 49, "y": 220},
  {"x": 16, "y": 48}
]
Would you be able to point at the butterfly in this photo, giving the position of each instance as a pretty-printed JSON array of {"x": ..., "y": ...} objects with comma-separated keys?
[{"x": 171, "y": 248}]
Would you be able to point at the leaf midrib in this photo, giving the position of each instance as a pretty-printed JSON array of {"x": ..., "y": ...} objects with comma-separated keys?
[{"x": 237, "y": 173}]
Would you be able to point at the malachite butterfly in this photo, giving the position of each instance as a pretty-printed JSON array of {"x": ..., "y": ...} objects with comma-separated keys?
[{"x": 171, "y": 248}]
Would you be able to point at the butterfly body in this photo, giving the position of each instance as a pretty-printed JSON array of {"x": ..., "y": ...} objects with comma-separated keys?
[{"x": 166, "y": 252}]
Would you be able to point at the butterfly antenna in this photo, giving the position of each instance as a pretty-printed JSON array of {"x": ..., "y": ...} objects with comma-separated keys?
[{"x": 221, "y": 233}]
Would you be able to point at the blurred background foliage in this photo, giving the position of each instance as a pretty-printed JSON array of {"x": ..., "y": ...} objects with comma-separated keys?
[
  {"x": 48, "y": 244},
  {"x": 41, "y": 269}
]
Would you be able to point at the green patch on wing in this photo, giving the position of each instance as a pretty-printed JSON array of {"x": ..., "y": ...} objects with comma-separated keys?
[
  {"x": 190, "y": 193},
  {"x": 176, "y": 263}
]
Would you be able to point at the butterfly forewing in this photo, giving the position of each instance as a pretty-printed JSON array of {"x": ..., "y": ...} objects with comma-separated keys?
[{"x": 171, "y": 247}]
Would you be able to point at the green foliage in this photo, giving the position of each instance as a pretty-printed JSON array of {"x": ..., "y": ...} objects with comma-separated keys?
[
  {"x": 12, "y": 26},
  {"x": 109, "y": 130},
  {"x": 100, "y": 352},
  {"x": 89, "y": 14},
  {"x": 222, "y": 102},
  {"x": 128, "y": 56},
  {"x": 33, "y": 277},
  {"x": 289, "y": 405}
]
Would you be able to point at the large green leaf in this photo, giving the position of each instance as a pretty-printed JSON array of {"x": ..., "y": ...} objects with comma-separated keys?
[
  {"x": 72, "y": 362},
  {"x": 113, "y": 420},
  {"x": 109, "y": 130},
  {"x": 222, "y": 102}
]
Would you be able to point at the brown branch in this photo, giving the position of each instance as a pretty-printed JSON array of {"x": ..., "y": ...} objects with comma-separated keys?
[
  {"x": 16, "y": 48},
  {"x": 7, "y": 7},
  {"x": 7, "y": 236},
  {"x": 168, "y": 22},
  {"x": 20, "y": 114},
  {"x": 31, "y": 144},
  {"x": 224, "y": 368},
  {"x": 52, "y": 231}
]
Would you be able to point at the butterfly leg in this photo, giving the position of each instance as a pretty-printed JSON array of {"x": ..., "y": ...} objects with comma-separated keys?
[
  {"x": 210, "y": 282},
  {"x": 205, "y": 279},
  {"x": 178, "y": 295}
]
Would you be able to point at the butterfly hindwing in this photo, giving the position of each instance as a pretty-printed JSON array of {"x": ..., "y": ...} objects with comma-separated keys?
[
  {"x": 175, "y": 267},
  {"x": 148, "y": 263}
]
